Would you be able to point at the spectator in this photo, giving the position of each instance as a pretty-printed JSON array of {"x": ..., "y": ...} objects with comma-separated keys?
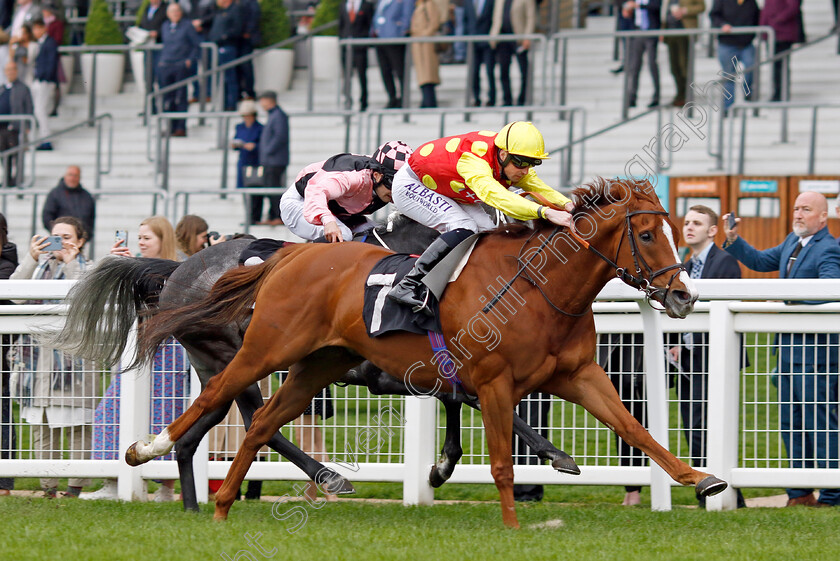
[
  {"x": 728, "y": 15},
  {"x": 425, "y": 23},
  {"x": 170, "y": 373},
  {"x": 459, "y": 49},
  {"x": 4, "y": 54},
  {"x": 152, "y": 20},
  {"x": 69, "y": 198},
  {"x": 785, "y": 17},
  {"x": 690, "y": 350},
  {"x": 513, "y": 17},
  {"x": 25, "y": 49},
  {"x": 15, "y": 99},
  {"x": 274, "y": 156},
  {"x": 246, "y": 139},
  {"x": 61, "y": 392},
  {"x": 354, "y": 21},
  {"x": 177, "y": 59},
  {"x": 45, "y": 80},
  {"x": 55, "y": 29},
  {"x": 479, "y": 19},
  {"x": 8, "y": 435},
  {"x": 622, "y": 23},
  {"x": 25, "y": 12},
  {"x": 807, "y": 363},
  {"x": 190, "y": 236},
  {"x": 200, "y": 13},
  {"x": 621, "y": 355},
  {"x": 226, "y": 31},
  {"x": 681, "y": 14},
  {"x": 251, "y": 38},
  {"x": 646, "y": 17},
  {"x": 392, "y": 20},
  {"x": 7, "y": 8}
]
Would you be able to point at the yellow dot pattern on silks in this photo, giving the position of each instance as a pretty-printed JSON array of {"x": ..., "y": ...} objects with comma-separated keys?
[
  {"x": 479, "y": 148},
  {"x": 429, "y": 182},
  {"x": 486, "y": 133},
  {"x": 426, "y": 149},
  {"x": 452, "y": 144},
  {"x": 457, "y": 186}
]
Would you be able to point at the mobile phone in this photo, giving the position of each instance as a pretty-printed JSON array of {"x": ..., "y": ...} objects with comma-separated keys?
[
  {"x": 54, "y": 244},
  {"x": 122, "y": 237},
  {"x": 730, "y": 221}
]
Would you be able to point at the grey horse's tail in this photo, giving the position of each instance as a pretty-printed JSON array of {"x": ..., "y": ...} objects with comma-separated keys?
[{"x": 105, "y": 303}]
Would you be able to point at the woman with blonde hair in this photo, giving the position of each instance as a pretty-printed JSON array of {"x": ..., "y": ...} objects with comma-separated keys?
[{"x": 170, "y": 371}]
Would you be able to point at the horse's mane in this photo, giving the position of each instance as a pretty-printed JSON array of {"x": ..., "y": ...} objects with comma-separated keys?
[{"x": 601, "y": 192}]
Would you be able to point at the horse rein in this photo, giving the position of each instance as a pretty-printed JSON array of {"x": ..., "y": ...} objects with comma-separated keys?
[{"x": 638, "y": 281}]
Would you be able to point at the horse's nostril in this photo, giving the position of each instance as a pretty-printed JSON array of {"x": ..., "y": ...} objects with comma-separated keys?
[{"x": 682, "y": 296}]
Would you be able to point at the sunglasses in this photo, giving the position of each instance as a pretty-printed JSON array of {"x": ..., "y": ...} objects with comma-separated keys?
[{"x": 521, "y": 162}]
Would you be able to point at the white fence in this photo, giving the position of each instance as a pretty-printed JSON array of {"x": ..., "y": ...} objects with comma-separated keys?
[{"x": 371, "y": 438}]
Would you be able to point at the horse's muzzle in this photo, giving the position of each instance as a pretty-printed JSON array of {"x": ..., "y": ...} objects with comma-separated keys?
[{"x": 679, "y": 303}]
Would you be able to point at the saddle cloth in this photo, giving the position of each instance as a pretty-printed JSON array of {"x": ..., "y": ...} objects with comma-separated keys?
[
  {"x": 260, "y": 250},
  {"x": 381, "y": 314}
]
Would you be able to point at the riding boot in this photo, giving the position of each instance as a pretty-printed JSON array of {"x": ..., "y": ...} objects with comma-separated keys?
[{"x": 410, "y": 290}]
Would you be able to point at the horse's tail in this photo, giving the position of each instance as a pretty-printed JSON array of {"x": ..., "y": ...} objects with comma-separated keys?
[
  {"x": 229, "y": 301},
  {"x": 104, "y": 304}
]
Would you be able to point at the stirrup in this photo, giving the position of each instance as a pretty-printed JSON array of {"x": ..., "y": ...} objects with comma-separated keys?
[{"x": 424, "y": 306}]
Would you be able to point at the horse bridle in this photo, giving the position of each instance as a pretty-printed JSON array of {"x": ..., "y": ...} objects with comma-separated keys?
[{"x": 642, "y": 280}]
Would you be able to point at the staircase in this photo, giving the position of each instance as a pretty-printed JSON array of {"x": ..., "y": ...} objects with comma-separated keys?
[{"x": 195, "y": 162}]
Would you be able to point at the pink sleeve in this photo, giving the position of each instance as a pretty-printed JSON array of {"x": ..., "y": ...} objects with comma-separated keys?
[{"x": 323, "y": 187}]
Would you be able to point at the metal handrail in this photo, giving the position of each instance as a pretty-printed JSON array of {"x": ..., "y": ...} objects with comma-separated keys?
[
  {"x": 762, "y": 32},
  {"x": 745, "y": 108},
  {"x": 21, "y": 140},
  {"x": 98, "y": 49},
  {"x": 367, "y": 136},
  {"x": 246, "y": 192},
  {"x": 36, "y": 193},
  {"x": 161, "y": 157},
  {"x": 22, "y": 147}
]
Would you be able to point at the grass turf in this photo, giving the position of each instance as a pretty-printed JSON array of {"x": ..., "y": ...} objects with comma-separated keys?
[{"x": 79, "y": 530}]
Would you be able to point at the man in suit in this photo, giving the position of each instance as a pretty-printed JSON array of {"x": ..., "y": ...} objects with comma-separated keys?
[
  {"x": 646, "y": 17},
  {"x": 177, "y": 61},
  {"x": 152, "y": 20},
  {"x": 807, "y": 363},
  {"x": 392, "y": 20},
  {"x": 226, "y": 31},
  {"x": 45, "y": 79},
  {"x": 690, "y": 350},
  {"x": 479, "y": 18},
  {"x": 681, "y": 14},
  {"x": 274, "y": 157},
  {"x": 15, "y": 99},
  {"x": 354, "y": 21}
]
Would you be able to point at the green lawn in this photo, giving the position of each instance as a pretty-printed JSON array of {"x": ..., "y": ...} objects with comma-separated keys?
[{"x": 37, "y": 529}]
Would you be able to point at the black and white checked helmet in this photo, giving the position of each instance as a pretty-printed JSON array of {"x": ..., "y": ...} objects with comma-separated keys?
[{"x": 393, "y": 155}]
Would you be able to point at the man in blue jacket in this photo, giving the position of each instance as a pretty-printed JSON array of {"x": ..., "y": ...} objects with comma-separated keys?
[
  {"x": 807, "y": 363},
  {"x": 177, "y": 59},
  {"x": 274, "y": 156},
  {"x": 478, "y": 15},
  {"x": 44, "y": 79},
  {"x": 392, "y": 20},
  {"x": 226, "y": 31}
]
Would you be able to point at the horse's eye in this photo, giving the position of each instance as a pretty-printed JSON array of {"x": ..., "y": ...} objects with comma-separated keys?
[{"x": 646, "y": 237}]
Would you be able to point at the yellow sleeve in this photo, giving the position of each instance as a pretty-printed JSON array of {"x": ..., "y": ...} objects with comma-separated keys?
[{"x": 478, "y": 176}]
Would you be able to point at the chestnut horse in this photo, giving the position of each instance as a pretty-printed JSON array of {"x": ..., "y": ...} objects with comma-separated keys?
[{"x": 535, "y": 333}]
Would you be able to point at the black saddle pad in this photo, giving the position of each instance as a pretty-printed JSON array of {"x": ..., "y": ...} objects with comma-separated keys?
[
  {"x": 383, "y": 315},
  {"x": 262, "y": 248}
]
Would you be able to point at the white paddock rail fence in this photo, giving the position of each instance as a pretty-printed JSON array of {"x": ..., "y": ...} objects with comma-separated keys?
[{"x": 398, "y": 439}]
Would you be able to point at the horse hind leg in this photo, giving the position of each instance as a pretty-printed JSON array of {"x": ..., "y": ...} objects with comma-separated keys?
[
  {"x": 451, "y": 452},
  {"x": 306, "y": 378}
]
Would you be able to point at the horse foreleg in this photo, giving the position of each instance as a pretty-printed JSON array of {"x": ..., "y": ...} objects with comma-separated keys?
[
  {"x": 591, "y": 388},
  {"x": 451, "y": 451},
  {"x": 497, "y": 415}
]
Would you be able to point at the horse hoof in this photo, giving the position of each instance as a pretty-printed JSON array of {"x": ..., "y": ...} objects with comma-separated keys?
[
  {"x": 436, "y": 478},
  {"x": 710, "y": 486},
  {"x": 339, "y": 486},
  {"x": 219, "y": 515},
  {"x": 565, "y": 464},
  {"x": 131, "y": 454}
]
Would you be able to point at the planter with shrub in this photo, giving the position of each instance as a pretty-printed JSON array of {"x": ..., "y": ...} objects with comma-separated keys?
[
  {"x": 102, "y": 29},
  {"x": 273, "y": 69}
]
